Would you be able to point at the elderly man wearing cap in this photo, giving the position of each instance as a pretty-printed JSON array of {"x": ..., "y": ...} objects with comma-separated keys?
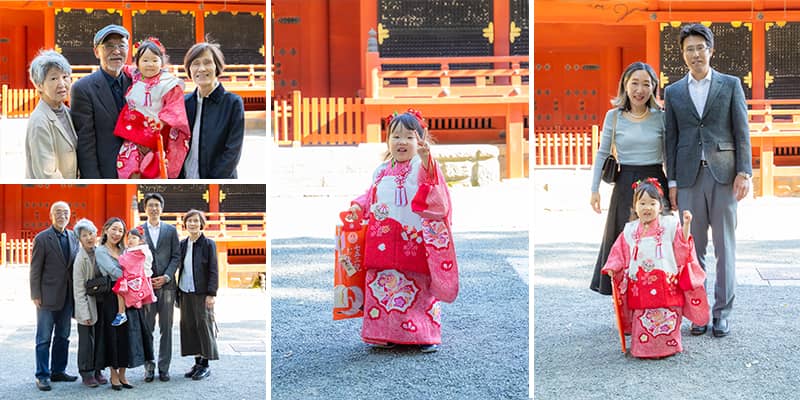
[{"x": 96, "y": 102}]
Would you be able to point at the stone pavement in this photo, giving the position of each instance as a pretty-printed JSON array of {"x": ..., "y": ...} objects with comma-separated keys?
[
  {"x": 576, "y": 346},
  {"x": 240, "y": 373}
]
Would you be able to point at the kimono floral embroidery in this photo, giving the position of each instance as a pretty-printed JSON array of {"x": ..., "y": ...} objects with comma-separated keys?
[
  {"x": 409, "y": 326},
  {"x": 380, "y": 211},
  {"x": 411, "y": 234},
  {"x": 659, "y": 321},
  {"x": 378, "y": 230},
  {"x": 435, "y": 312},
  {"x": 435, "y": 233},
  {"x": 393, "y": 290},
  {"x": 410, "y": 249},
  {"x": 374, "y": 313}
]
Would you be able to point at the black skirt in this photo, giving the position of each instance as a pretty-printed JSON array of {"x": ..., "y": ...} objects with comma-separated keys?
[
  {"x": 619, "y": 213},
  {"x": 126, "y": 346}
]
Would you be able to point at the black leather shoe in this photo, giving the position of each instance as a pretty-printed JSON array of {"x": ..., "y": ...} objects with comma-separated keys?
[
  {"x": 721, "y": 327},
  {"x": 43, "y": 384},
  {"x": 698, "y": 330},
  {"x": 201, "y": 373},
  {"x": 126, "y": 385},
  {"x": 192, "y": 371},
  {"x": 63, "y": 377},
  {"x": 163, "y": 376},
  {"x": 116, "y": 387},
  {"x": 149, "y": 375}
]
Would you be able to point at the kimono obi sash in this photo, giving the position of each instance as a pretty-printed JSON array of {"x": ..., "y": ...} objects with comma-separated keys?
[{"x": 653, "y": 271}]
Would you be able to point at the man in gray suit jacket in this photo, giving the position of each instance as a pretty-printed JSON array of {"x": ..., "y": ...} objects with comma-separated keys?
[
  {"x": 96, "y": 101},
  {"x": 54, "y": 251},
  {"x": 163, "y": 242},
  {"x": 708, "y": 160}
]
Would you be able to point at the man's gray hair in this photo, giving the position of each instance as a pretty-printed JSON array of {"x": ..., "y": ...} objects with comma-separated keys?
[
  {"x": 59, "y": 203},
  {"x": 82, "y": 225},
  {"x": 46, "y": 60}
]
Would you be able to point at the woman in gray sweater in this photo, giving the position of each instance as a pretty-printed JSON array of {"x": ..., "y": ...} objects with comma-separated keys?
[{"x": 637, "y": 122}]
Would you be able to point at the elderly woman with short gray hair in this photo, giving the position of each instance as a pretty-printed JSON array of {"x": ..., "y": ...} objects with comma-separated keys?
[
  {"x": 51, "y": 140},
  {"x": 86, "y": 315}
]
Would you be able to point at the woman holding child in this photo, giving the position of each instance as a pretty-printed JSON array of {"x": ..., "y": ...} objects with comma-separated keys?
[{"x": 127, "y": 345}]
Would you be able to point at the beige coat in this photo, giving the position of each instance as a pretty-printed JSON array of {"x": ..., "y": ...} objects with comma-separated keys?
[
  {"x": 49, "y": 149},
  {"x": 83, "y": 270}
]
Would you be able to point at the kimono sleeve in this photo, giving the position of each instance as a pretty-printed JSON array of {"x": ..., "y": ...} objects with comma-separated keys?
[
  {"x": 690, "y": 274},
  {"x": 619, "y": 257},
  {"x": 173, "y": 111},
  {"x": 432, "y": 200}
]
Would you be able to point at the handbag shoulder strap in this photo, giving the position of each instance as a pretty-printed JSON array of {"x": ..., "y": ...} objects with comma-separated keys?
[{"x": 614, "y": 134}]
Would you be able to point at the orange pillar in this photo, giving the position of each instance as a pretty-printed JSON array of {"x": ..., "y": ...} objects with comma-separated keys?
[
  {"x": 759, "y": 62},
  {"x": 515, "y": 157},
  {"x": 49, "y": 28},
  {"x": 199, "y": 27},
  {"x": 653, "y": 46},
  {"x": 502, "y": 34},
  {"x": 213, "y": 198},
  {"x": 368, "y": 12},
  {"x": 127, "y": 22}
]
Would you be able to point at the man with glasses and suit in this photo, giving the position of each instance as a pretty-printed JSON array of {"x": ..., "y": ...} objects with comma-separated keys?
[
  {"x": 162, "y": 238},
  {"x": 96, "y": 101},
  {"x": 708, "y": 161},
  {"x": 54, "y": 251}
]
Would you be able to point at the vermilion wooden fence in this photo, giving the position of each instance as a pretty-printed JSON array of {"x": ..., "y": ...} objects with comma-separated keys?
[
  {"x": 564, "y": 146},
  {"x": 17, "y": 103},
  {"x": 317, "y": 120}
]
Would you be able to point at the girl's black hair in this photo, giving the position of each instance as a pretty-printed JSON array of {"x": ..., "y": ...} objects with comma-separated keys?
[
  {"x": 148, "y": 45},
  {"x": 654, "y": 192},
  {"x": 409, "y": 121}
]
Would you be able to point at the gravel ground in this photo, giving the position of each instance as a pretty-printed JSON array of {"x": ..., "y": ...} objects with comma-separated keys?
[
  {"x": 240, "y": 373},
  {"x": 576, "y": 346},
  {"x": 485, "y": 331}
]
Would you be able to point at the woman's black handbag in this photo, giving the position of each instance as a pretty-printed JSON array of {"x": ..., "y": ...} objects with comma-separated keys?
[
  {"x": 610, "y": 169},
  {"x": 98, "y": 286},
  {"x": 610, "y": 165}
]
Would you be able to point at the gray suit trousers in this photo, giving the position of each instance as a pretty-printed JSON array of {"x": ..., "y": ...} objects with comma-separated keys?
[
  {"x": 714, "y": 205},
  {"x": 164, "y": 308}
]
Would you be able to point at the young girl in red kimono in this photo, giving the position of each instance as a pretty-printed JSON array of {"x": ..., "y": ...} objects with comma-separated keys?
[
  {"x": 154, "y": 111},
  {"x": 657, "y": 278},
  {"x": 409, "y": 253},
  {"x": 134, "y": 288}
]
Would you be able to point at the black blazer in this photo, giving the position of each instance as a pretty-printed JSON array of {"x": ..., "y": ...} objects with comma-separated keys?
[
  {"x": 50, "y": 273},
  {"x": 204, "y": 265},
  {"x": 94, "y": 115},
  {"x": 221, "y": 132}
]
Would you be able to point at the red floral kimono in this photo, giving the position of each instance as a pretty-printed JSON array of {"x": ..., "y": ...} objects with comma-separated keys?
[
  {"x": 659, "y": 281},
  {"x": 409, "y": 254},
  {"x": 154, "y": 111},
  {"x": 135, "y": 285}
]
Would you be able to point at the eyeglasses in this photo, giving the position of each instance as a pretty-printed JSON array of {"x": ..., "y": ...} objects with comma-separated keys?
[
  {"x": 111, "y": 47},
  {"x": 699, "y": 49},
  {"x": 60, "y": 212}
]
